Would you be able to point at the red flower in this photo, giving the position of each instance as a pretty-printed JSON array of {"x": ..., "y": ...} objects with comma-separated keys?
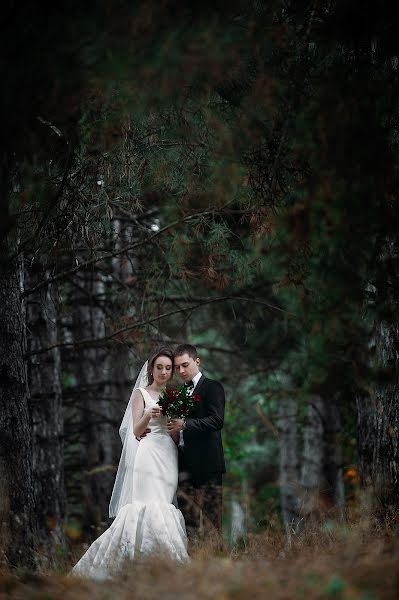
[{"x": 177, "y": 402}]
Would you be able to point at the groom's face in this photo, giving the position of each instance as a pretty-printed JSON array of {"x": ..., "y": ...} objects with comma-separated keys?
[{"x": 186, "y": 367}]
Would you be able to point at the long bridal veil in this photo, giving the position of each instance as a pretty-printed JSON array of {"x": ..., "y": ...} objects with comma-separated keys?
[{"x": 122, "y": 492}]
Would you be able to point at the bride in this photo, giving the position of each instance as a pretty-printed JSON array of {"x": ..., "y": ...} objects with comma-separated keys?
[{"x": 145, "y": 486}]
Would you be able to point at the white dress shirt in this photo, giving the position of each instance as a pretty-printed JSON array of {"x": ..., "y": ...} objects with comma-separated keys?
[{"x": 195, "y": 380}]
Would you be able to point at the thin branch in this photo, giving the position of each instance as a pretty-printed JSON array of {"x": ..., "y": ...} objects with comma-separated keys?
[
  {"x": 131, "y": 217},
  {"x": 107, "y": 338},
  {"x": 54, "y": 201},
  {"x": 118, "y": 252},
  {"x": 266, "y": 420},
  {"x": 119, "y": 332}
]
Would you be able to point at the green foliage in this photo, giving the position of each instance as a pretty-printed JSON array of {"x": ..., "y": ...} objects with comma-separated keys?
[{"x": 335, "y": 587}]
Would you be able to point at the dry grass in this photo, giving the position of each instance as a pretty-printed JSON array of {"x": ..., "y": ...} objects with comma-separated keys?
[{"x": 329, "y": 561}]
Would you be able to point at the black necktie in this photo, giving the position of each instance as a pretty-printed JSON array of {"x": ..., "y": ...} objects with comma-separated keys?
[{"x": 189, "y": 384}]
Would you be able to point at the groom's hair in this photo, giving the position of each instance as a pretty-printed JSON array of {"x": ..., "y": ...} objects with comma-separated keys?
[{"x": 186, "y": 349}]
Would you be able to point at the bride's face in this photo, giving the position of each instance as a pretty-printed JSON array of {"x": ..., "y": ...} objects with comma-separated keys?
[{"x": 162, "y": 370}]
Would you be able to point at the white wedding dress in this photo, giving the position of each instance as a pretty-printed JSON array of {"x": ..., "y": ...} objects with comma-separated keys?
[{"x": 150, "y": 524}]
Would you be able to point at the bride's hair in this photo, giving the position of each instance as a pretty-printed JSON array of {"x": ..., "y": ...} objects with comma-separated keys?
[
  {"x": 186, "y": 349},
  {"x": 162, "y": 351}
]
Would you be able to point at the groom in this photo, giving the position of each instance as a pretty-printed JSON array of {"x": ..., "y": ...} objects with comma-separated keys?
[{"x": 201, "y": 459}]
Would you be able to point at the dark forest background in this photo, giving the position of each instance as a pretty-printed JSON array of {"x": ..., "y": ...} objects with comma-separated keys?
[{"x": 224, "y": 174}]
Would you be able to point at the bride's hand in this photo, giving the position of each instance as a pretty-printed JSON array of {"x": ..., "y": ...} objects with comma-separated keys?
[{"x": 155, "y": 411}]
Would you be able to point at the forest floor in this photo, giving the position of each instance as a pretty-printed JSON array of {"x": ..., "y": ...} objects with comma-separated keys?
[{"x": 329, "y": 561}]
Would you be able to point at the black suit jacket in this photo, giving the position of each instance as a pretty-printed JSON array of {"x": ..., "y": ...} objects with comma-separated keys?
[{"x": 202, "y": 454}]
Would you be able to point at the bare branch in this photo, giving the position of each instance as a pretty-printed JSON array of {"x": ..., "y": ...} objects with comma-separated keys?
[
  {"x": 106, "y": 338},
  {"x": 118, "y": 252}
]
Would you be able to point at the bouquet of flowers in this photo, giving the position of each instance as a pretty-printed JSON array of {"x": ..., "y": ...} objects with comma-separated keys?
[{"x": 176, "y": 403}]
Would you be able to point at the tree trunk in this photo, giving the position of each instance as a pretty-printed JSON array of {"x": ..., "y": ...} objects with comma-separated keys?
[
  {"x": 322, "y": 490},
  {"x": 332, "y": 493},
  {"x": 378, "y": 428},
  {"x": 288, "y": 466},
  {"x": 16, "y": 493},
  {"x": 98, "y": 384},
  {"x": 312, "y": 459},
  {"x": 124, "y": 363},
  {"x": 45, "y": 406},
  {"x": 98, "y": 426}
]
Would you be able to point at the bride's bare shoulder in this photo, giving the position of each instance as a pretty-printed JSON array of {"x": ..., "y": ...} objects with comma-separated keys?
[{"x": 138, "y": 395}]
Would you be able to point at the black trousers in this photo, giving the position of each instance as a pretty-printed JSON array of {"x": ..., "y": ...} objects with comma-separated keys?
[{"x": 201, "y": 503}]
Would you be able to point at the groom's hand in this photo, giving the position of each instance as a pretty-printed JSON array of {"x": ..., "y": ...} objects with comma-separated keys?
[
  {"x": 175, "y": 426},
  {"x": 148, "y": 430}
]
